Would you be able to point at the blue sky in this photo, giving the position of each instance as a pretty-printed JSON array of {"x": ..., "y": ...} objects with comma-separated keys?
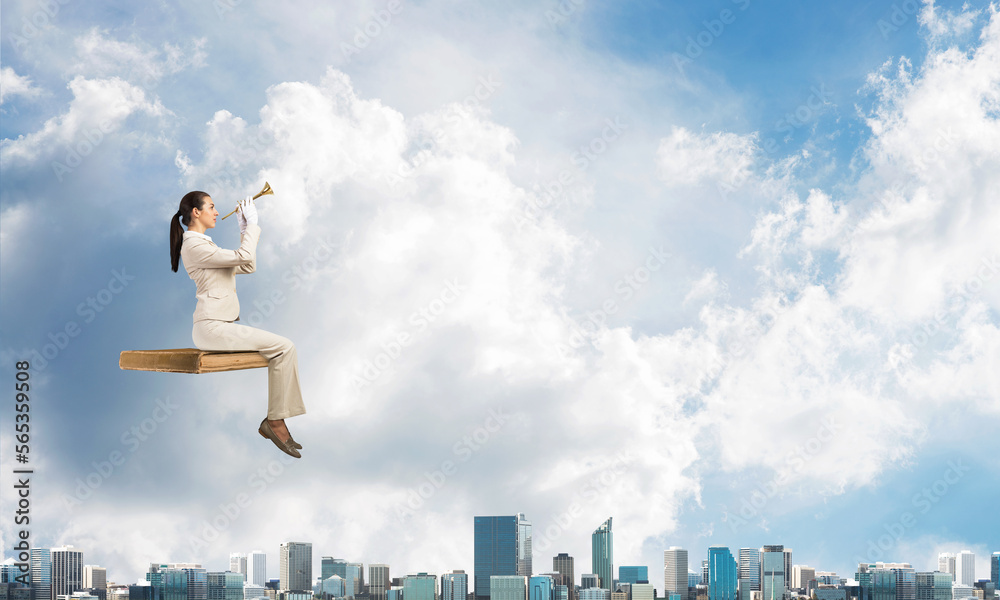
[{"x": 691, "y": 248}]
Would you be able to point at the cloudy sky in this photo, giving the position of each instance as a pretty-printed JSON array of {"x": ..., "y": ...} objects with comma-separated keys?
[{"x": 725, "y": 271}]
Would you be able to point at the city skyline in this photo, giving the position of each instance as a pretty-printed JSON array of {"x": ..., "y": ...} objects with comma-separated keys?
[{"x": 723, "y": 270}]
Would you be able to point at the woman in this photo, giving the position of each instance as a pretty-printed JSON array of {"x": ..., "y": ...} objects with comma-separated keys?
[{"x": 214, "y": 271}]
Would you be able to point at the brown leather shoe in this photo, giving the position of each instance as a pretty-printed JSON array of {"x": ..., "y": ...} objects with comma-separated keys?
[{"x": 287, "y": 447}]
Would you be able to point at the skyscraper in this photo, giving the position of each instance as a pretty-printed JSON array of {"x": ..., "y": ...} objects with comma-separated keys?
[
  {"x": 933, "y": 586},
  {"x": 946, "y": 564},
  {"x": 67, "y": 571},
  {"x": 602, "y": 554},
  {"x": 507, "y": 587},
  {"x": 238, "y": 564},
  {"x": 589, "y": 581},
  {"x": 541, "y": 587},
  {"x": 965, "y": 568},
  {"x": 421, "y": 586},
  {"x": 750, "y": 567},
  {"x": 226, "y": 585},
  {"x": 178, "y": 581},
  {"x": 675, "y": 572},
  {"x": 454, "y": 585},
  {"x": 295, "y": 560},
  {"x": 995, "y": 570},
  {"x": 772, "y": 572},
  {"x": 563, "y": 563},
  {"x": 502, "y": 546},
  {"x": 257, "y": 568},
  {"x": 633, "y": 574},
  {"x": 788, "y": 568},
  {"x": 95, "y": 577},
  {"x": 722, "y": 569},
  {"x": 379, "y": 581}
]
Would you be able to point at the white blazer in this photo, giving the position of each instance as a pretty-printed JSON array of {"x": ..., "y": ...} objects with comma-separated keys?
[{"x": 214, "y": 271}]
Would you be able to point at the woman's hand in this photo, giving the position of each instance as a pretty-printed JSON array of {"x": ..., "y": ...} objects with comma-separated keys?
[
  {"x": 240, "y": 218},
  {"x": 247, "y": 214}
]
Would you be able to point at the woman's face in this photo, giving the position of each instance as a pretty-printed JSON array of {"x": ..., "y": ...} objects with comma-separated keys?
[{"x": 205, "y": 217}]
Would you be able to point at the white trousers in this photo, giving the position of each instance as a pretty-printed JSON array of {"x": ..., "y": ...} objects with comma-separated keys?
[{"x": 284, "y": 398}]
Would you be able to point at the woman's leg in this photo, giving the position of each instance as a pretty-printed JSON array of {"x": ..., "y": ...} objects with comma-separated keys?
[{"x": 284, "y": 393}]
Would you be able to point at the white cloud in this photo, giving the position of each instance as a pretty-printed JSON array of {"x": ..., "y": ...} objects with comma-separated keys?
[
  {"x": 12, "y": 84},
  {"x": 99, "y": 56},
  {"x": 686, "y": 158}
]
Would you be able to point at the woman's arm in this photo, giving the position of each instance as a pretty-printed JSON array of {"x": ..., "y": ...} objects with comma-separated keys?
[{"x": 199, "y": 253}]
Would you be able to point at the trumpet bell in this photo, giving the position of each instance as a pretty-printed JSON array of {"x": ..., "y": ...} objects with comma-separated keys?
[{"x": 264, "y": 192}]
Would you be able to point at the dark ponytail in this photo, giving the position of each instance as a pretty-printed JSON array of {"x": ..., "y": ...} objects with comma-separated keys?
[{"x": 189, "y": 202}]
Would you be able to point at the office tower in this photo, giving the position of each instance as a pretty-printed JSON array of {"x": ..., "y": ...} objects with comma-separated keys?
[
  {"x": 523, "y": 546},
  {"x": 502, "y": 546},
  {"x": 334, "y": 586},
  {"x": 675, "y": 572},
  {"x": 633, "y": 574},
  {"x": 772, "y": 572},
  {"x": 643, "y": 591},
  {"x": 238, "y": 564},
  {"x": 946, "y": 564},
  {"x": 354, "y": 581},
  {"x": 41, "y": 574},
  {"x": 965, "y": 568},
  {"x": 541, "y": 587},
  {"x": 295, "y": 560},
  {"x": 563, "y": 563},
  {"x": 801, "y": 576},
  {"x": 595, "y": 593},
  {"x": 886, "y": 581},
  {"x": 379, "y": 581},
  {"x": 590, "y": 581},
  {"x": 333, "y": 566},
  {"x": 933, "y": 586},
  {"x": 506, "y": 587},
  {"x": 561, "y": 592},
  {"x": 95, "y": 577},
  {"x": 421, "y": 586},
  {"x": 454, "y": 585},
  {"x": 257, "y": 568},
  {"x": 995, "y": 570},
  {"x": 722, "y": 570},
  {"x": 227, "y": 585},
  {"x": 67, "y": 570},
  {"x": 750, "y": 567},
  {"x": 602, "y": 554},
  {"x": 703, "y": 580}
]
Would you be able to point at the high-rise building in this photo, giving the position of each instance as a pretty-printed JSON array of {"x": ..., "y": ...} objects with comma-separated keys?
[
  {"x": 886, "y": 581},
  {"x": 643, "y": 591},
  {"x": 94, "y": 577},
  {"x": 788, "y": 568},
  {"x": 333, "y": 586},
  {"x": 965, "y": 568},
  {"x": 354, "y": 581},
  {"x": 507, "y": 587},
  {"x": 633, "y": 574},
  {"x": 454, "y": 585},
  {"x": 238, "y": 564},
  {"x": 801, "y": 576},
  {"x": 602, "y": 554},
  {"x": 227, "y": 585},
  {"x": 772, "y": 572},
  {"x": 541, "y": 587},
  {"x": 333, "y": 566},
  {"x": 722, "y": 570},
  {"x": 589, "y": 581},
  {"x": 295, "y": 560},
  {"x": 595, "y": 593},
  {"x": 379, "y": 581},
  {"x": 933, "y": 586},
  {"x": 41, "y": 573},
  {"x": 749, "y": 567},
  {"x": 563, "y": 563},
  {"x": 995, "y": 570},
  {"x": 67, "y": 571},
  {"x": 946, "y": 564},
  {"x": 257, "y": 568},
  {"x": 421, "y": 586},
  {"x": 675, "y": 572},
  {"x": 502, "y": 546}
]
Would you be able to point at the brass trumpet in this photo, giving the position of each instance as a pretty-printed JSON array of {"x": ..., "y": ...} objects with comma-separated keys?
[{"x": 264, "y": 192}]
